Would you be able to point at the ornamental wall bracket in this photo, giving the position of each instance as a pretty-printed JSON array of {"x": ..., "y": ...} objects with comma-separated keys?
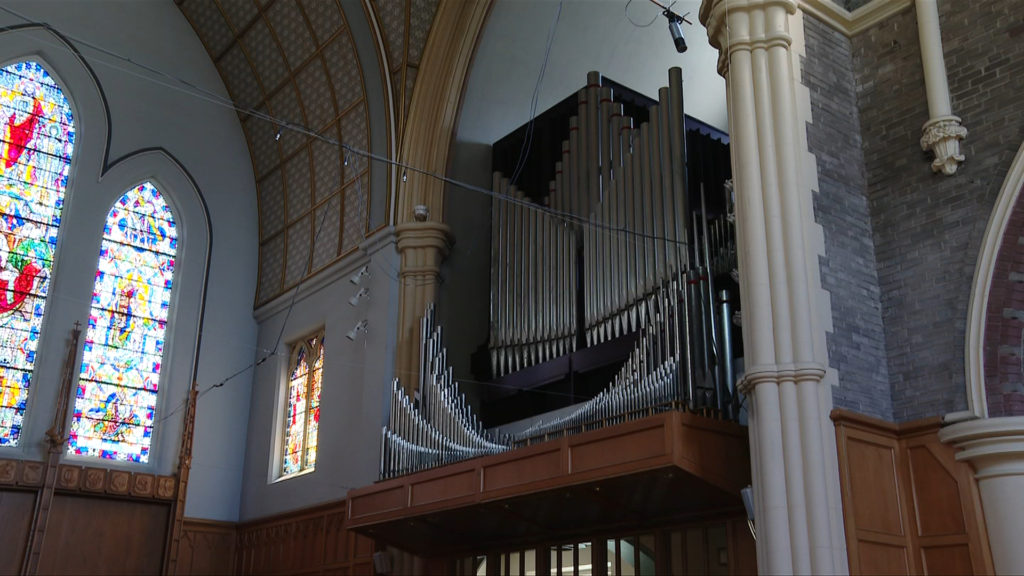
[{"x": 942, "y": 136}]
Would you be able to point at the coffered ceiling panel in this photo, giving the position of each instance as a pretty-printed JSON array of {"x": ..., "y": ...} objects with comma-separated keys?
[{"x": 295, "y": 61}]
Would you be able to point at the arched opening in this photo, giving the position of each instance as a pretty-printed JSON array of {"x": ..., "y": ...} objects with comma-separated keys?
[{"x": 995, "y": 337}]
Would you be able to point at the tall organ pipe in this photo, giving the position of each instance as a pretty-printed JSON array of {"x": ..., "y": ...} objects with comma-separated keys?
[{"x": 614, "y": 174}]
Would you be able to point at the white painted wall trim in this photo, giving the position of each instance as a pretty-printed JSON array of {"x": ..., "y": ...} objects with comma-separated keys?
[
  {"x": 974, "y": 359},
  {"x": 853, "y": 23}
]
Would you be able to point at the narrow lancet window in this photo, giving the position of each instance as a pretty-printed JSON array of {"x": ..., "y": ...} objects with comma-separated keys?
[
  {"x": 37, "y": 138},
  {"x": 124, "y": 346},
  {"x": 302, "y": 419}
]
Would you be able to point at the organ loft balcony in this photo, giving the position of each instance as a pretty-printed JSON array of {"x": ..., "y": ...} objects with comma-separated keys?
[{"x": 612, "y": 353}]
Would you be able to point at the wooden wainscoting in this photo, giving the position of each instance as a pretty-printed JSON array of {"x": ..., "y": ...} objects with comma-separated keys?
[
  {"x": 206, "y": 547},
  {"x": 909, "y": 506},
  {"x": 311, "y": 541},
  {"x": 16, "y": 508}
]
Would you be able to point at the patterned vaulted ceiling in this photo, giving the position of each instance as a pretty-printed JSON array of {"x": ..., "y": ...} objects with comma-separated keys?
[{"x": 296, "y": 60}]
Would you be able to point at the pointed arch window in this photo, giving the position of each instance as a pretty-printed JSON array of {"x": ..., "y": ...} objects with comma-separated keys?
[
  {"x": 124, "y": 345},
  {"x": 37, "y": 138},
  {"x": 302, "y": 418}
]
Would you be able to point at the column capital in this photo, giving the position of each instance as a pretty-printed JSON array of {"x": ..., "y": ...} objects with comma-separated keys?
[
  {"x": 745, "y": 24},
  {"x": 995, "y": 446},
  {"x": 798, "y": 373},
  {"x": 413, "y": 235},
  {"x": 422, "y": 246}
]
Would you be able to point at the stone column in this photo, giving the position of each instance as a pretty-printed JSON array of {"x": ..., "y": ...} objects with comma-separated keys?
[
  {"x": 942, "y": 133},
  {"x": 422, "y": 247},
  {"x": 793, "y": 476},
  {"x": 423, "y": 240},
  {"x": 995, "y": 448}
]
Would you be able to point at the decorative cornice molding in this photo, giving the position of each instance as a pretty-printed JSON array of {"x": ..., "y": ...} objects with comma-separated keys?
[
  {"x": 730, "y": 32},
  {"x": 89, "y": 479},
  {"x": 853, "y": 23}
]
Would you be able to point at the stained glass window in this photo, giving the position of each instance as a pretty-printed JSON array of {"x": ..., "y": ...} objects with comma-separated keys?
[
  {"x": 36, "y": 140},
  {"x": 124, "y": 345},
  {"x": 302, "y": 419}
]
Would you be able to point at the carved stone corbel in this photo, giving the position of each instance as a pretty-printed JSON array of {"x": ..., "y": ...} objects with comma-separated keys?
[{"x": 942, "y": 136}]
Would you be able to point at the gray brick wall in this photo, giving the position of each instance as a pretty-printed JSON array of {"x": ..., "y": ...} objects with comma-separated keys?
[
  {"x": 928, "y": 228},
  {"x": 856, "y": 347}
]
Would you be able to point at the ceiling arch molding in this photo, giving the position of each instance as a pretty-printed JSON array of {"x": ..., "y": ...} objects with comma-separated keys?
[{"x": 434, "y": 104}]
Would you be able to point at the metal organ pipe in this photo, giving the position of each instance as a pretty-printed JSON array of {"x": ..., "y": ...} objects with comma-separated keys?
[{"x": 613, "y": 173}]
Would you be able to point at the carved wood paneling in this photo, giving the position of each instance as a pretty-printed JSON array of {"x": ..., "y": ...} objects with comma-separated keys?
[
  {"x": 116, "y": 508},
  {"x": 88, "y": 479},
  {"x": 116, "y": 522},
  {"x": 909, "y": 506},
  {"x": 206, "y": 547},
  {"x": 313, "y": 541}
]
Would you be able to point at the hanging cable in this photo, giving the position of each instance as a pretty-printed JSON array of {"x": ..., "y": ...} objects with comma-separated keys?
[{"x": 189, "y": 88}]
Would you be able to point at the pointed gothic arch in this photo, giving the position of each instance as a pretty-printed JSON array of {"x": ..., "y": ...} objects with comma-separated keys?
[
  {"x": 986, "y": 285},
  {"x": 119, "y": 381}
]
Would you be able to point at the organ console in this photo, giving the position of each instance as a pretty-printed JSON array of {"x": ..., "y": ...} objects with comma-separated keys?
[{"x": 622, "y": 244}]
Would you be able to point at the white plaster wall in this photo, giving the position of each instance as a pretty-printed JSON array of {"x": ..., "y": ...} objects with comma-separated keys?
[
  {"x": 203, "y": 153},
  {"x": 356, "y": 380},
  {"x": 591, "y": 35}
]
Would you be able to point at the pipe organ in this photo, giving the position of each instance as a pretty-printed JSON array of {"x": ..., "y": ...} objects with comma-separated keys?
[
  {"x": 574, "y": 268},
  {"x": 436, "y": 427},
  {"x": 622, "y": 243}
]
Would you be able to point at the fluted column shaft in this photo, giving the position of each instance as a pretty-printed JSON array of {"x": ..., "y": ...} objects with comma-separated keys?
[{"x": 783, "y": 377}]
